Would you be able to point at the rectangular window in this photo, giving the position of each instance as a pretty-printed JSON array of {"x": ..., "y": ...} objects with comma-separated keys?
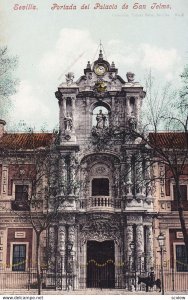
[
  {"x": 100, "y": 187},
  {"x": 181, "y": 262},
  {"x": 21, "y": 197},
  {"x": 183, "y": 191},
  {"x": 19, "y": 258},
  {"x": 21, "y": 193}
]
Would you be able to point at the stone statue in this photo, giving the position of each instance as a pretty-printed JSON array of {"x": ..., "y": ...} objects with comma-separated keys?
[
  {"x": 69, "y": 78},
  {"x": 68, "y": 122},
  {"x": 101, "y": 120},
  {"x": 130, "y": 76},
  {"x": 132, "y": 122}
]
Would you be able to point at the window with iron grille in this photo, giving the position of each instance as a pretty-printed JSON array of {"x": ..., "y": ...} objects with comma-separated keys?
[
  {"x": 21, "y": 193},
  {"x": 181, "y": 261},
  {"x": 183, "y": 192},
  {"x": 21, "y": 197},
  {"x": 19, "y": 257}
]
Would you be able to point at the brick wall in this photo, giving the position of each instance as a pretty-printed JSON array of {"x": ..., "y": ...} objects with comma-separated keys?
[{"x": 11, "y": 239}]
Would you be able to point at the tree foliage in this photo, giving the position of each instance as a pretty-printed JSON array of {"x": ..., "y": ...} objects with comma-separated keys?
[
  {"x": 184, "y": 89},
  {"x": 8, "y": 82},
  {"x": 167, "y": 110}
]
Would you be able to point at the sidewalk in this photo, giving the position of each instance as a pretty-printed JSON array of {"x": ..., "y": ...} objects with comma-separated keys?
[{"x": 88, "y": 292}]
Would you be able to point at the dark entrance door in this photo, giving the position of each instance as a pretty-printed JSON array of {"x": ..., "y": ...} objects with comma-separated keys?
[{"x": 100, "y": 264}]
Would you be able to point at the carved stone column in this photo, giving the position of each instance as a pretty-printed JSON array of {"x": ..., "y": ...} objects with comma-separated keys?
[
  {"x": 64, "y": 106},
  {"x": 72, "y": 176},
  {"x": 129, "y": 178},
  {"x": 71, "y": 254},
  {"x": 123, "y": 179},
  {"x": 52, "y": 239},
  {"x": 116, "y": 180},
  {"x": 139, "y": 178},
  {"x": 62, "y": 114},
  {"x": 129, "y": 239},
  {"x": 61, "y": 239},
  {"x": 63, "y": 175},
  {"x": 149, "y": 247},
  {"x": 139, "y": 246},
  {"x": 128, "y": 107},
  {"x": 137, "y": 109},
  {"x": 71, "y": 235},
  {"x": 60, "y": 268},
  {"x": 149, "y": 197},
  {"x": 4, "y": 188},
  {"x": 73, "y": 113}
]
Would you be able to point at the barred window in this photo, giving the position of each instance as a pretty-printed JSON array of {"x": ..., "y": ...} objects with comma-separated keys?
[
  {"x": 21, "y": 198},
  {"x": 181, "y": 261},
  {"x": 19, "y": 257},
  {"x": 21, "y": 193}
]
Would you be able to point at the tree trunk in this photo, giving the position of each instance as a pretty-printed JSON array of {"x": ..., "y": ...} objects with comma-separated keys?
[
  {"x": 39, "y": 281},
  {"x": 181, "y": 216}
]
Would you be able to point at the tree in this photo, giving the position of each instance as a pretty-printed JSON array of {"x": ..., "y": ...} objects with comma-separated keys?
[
  {"x": 40, "y": 197},
  {"x": 168, "y": 110},
  {"x": 184, "y": 89},
  {"x": 8, "y": 82}
]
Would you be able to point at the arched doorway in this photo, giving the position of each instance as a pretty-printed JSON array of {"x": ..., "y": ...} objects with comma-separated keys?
[{"x": 100, "y": 264}]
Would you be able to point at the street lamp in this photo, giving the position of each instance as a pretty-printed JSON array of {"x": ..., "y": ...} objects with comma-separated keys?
[
  {"x": 161, "y": 240},
  {"x": 133, "y": 248}
]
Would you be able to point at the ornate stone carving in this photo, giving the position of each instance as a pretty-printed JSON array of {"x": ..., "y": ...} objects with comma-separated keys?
[
  {"x": 61, "y": 238},
  {"x": 4, "y": 179},
  {"x": 100, "y": 89},
  {"x": 132, "y": 219},
  {"x": 100, "y": 230},
  {"x": 148, "y": 219},
  {"x": 100, "y": 169},
  {"x": 149, "y": 247},
  {"x": 71, "y": 233},
  {"x": 100, "y": 137},
  {"x": 139, "y": 240},
  {"x": 116, "y": 177},
  {"x": 52, "y": 247},
  {"x": 129, "y": 238}
]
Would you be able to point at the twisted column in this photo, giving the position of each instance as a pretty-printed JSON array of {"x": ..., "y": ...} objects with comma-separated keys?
[{"x": 129, "y": 239}]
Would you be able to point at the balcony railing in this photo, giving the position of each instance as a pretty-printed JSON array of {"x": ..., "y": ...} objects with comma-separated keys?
[{"x": 101, "y": 201}]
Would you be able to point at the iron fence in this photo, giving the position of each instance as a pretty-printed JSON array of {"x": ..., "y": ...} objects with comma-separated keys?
[{"x": 173, "y": 281}]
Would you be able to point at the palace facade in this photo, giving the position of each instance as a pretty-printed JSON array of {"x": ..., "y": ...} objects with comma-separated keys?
[{"x": 105, "y": 232}]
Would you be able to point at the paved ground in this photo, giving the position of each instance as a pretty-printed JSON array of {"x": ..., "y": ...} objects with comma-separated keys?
[{"x": 86, "y": 292}]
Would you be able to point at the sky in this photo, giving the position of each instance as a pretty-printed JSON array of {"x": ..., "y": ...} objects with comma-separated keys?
[{"x": 51, "y": 42}]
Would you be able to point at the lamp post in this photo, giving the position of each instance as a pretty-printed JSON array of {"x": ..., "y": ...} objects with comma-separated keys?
[
  {"x": 161, "y": 240},
  {"x": 133, "y": 248}
]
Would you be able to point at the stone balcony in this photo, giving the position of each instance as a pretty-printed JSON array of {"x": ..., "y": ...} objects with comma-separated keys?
[{"x": 100, "y": 203}]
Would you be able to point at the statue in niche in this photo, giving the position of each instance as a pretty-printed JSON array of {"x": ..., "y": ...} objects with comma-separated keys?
[
  {"x": 101, "y": 120},
  {"x": 68, "y": 122},
  {"x": 132, "y": 122}
]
